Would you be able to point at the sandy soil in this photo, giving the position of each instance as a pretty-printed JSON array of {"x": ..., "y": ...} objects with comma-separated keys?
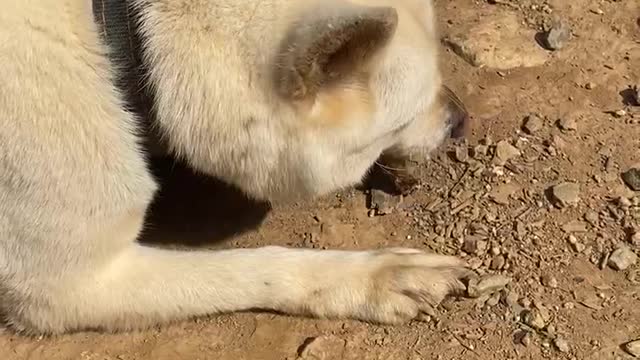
[{"x": 564, "y": 301}]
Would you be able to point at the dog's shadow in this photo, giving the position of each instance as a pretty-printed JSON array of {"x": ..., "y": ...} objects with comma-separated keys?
[{"x": 196, "y": 210}]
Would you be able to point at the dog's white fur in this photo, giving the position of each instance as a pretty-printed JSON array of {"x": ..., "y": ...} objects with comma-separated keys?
[{"x": 230, "y": 100}]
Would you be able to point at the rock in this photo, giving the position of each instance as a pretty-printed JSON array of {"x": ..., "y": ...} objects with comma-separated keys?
[
  {"x": 590, "y": 85},
  {"x": 493, "y": 300},
  {"x": 635, "y": 239},
  {"x": 497, "y": 263},
  {"x": 635, "y": 94},
  {"x": 633, "y": 348},
  {"x": 622, "y": 258},
  {"x": 470, "y": 245},
  {"x": 568, "y": 124},
  {"x": 510, "y": 298},
  {"x": 565, "y": 194},
  {"x": 505, "y": 152},
  {"x": 620, "y": 113},
  {"x": 592, "y": 218},
  {"x": 325, "y": 347},
  {"x": 534, "y": 319},
  {"x": 549, "y": 281},
  {"x": 532, "y": 124},
  {"x": 480, "y": 151},
  {"x": 499, "y": 41},
  {"x": 461, "y": 154},
  {"x": 562, "y": 345},
  {"x": 383, "y": 202},
  {"x": 624, "y": 202},
  {"x": 558, "y": 36},
  {"x": 486, "y": 286},
  {"x": 557, "y": 142},
  {"x": 501, "y": 193},
  {"x": 575, "y": 244},
  {"x": 575, "y": 226},
  {"x": 631, "y": 177}
]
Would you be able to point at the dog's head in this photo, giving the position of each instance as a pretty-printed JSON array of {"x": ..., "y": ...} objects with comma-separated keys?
[
  {"x": 341, "y": 84},
  {"x": 364, "y": 79}
]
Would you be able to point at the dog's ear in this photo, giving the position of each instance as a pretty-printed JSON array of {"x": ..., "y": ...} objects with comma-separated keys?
[{"x": 331, "y": 47}]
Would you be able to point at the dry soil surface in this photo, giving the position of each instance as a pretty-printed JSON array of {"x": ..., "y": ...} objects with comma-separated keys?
[{"x": 535, "y": 194}]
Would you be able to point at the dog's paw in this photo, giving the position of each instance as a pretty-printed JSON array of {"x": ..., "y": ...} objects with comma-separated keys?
[{"x": 394, "y": 286}]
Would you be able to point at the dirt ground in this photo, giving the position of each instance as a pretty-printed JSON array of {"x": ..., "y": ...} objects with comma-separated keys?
[{"x": 492, "y": 199}]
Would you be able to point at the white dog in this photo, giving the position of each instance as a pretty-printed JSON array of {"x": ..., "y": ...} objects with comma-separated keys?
[{"x": 281, "y": 98}]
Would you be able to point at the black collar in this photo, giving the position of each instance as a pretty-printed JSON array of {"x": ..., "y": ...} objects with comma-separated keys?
[{"x": 117, "y": 21}]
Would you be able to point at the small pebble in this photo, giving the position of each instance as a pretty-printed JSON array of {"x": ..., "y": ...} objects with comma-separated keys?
[
  {"x": 592, "y": 217},
  {"x": 480, "y": 151},
  {"x": 505, "y": 152},
  {"x": 622, "y": 258},
  {"x": 488, "y": 285},
  {"x": 620, "y": 113},
  {"x": 534, "y": 319},
  {"x": 566, "y": 194},
  {"x": 636, "y": 94},
  {"x": 579, "y": 247},
  {"x": 624, "y": 203},
  {"x": 558, "y": 36},
  {"x": 562, "y": 345},
  {"x": 569, "y": 305},
  {"x": 384, "y": 203},
  {"x": 631, "y": 177},
  {"x": 633, "y": 348},
  {"x": 568, "y": 124},
  {"x": 532, "y": 124},
  {"x": 497, "y": 262},
  {"x": 510, "y": 299},
  {"x": 493, "y": 300},
  {"x": 470, "y": 245},
  {"x": 549, "y": 281},
  {"x": 462, "y": 154}
]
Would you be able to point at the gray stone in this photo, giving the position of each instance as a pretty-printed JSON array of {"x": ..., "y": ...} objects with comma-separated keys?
[
  {"x": 558, "y": 36},
  {"x": 568, "y": 124},
  {"x": 505, "y": 152},
  {"x": 562, "y": 345},
  {"x": 480, "y": 151},
  {"x": 622, "y": 258},
  {"x": 487, "y": 286},
  {"x": 565, "y": 194},
  {"x": 534, "y": 319},
  {"x": 631, "y": 177},
  {"x": 384, "y": 203},
  {"x": 532, "y": 124},
  {"x": 497, "y": 263},
  {"x": 462, "y": 154}
]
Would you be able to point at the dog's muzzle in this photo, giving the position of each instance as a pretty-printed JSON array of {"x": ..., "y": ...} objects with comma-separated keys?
[{"x": 457, "y": 114}]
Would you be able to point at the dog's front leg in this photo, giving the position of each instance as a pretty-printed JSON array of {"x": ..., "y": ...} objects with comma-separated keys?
[{"x": 146, "y": 286}]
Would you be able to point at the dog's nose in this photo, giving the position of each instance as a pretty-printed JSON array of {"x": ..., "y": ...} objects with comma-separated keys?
[{"x": 458, "y": 116}]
